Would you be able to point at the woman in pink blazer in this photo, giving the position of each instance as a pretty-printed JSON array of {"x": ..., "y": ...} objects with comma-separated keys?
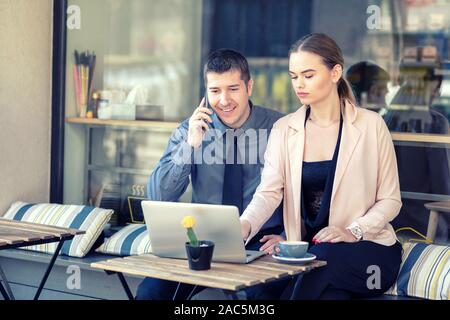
[{"x": 333, "y": 164}]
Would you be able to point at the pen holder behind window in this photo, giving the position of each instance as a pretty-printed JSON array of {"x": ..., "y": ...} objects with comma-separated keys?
[{"x": 83, "y": 74}]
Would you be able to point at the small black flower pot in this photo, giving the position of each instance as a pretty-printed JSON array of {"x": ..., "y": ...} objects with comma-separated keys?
[{"x": 200, "y": 256}]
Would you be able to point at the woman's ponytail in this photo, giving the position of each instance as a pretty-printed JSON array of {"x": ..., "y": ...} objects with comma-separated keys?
[{"x": 345, "y": 90}]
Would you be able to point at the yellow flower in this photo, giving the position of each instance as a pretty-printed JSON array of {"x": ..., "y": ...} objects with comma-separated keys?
[{"x": 188, "y": 222}]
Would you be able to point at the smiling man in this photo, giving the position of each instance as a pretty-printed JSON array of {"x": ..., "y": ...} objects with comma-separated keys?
[{"x": 228, "y": 122}]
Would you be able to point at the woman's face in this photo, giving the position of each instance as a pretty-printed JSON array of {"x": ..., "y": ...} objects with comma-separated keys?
[{"x": 312, "y": 81}]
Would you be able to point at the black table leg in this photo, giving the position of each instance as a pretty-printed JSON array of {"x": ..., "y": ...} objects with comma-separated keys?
[
  {"x": 191, "y": 293},
  {"x": 123, "y": 281},
  {"x": 125, "y": 286},
  {"x": 6, "y": 289},
  {"x": 176, "y": 291},
  {"x": 3, "y": 292},
  {"x": 49, "y": 268}
]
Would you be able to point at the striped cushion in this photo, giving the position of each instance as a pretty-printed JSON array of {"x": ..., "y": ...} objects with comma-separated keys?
[
  {"x": 130, "y": 240},
  {"x": 89, "y": 219},
  {"x": 424, "y": 272}
]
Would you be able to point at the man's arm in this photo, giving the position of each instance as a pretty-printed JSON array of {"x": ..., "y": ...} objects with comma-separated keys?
[{"x": 170, "y": 178}]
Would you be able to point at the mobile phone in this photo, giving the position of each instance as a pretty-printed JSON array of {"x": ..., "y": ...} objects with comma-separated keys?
[
  {"x": 206, "y": 101},
  {"x": 209, "y": 107}
]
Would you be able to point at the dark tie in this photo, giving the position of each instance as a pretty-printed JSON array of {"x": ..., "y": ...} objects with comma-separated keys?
[{"x": 232, "y": 179}]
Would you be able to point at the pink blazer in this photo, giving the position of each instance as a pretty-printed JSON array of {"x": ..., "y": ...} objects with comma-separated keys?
[{"x": 366, "y": 185}]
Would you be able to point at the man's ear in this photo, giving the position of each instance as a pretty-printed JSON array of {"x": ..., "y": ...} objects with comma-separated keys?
[
  {"x": 336, "y": 73},
  {"x": 250, "y": 87}
]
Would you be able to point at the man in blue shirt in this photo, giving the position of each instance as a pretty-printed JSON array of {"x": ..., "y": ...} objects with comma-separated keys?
[{"x": 220, "y": 148}]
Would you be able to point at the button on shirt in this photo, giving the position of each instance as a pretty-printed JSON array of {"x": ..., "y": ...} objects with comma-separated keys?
[{"x": 205, "y": 165}]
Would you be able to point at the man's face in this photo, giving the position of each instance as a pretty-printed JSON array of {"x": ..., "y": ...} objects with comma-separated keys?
[
  {"x": 228, "y": 96},
  {"x": 377, "y": 94}
]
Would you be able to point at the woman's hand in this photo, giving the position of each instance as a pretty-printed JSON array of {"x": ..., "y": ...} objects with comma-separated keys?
[
  {"x": 334, "y": 234},
  {"x": 245, "y": 229},
  {"x": 270, "y": 242}
]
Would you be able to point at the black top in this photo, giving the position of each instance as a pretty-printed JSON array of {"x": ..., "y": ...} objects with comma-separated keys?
[
  {"x": 314, "y": 179},
  {"x": 317, "y": 186}
]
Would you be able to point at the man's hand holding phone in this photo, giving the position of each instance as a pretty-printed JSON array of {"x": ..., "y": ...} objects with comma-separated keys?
[{"x": 198, "y": 123}]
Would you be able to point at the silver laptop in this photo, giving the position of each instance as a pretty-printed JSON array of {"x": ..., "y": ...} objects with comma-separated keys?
[{"x": 216, "y": 223}]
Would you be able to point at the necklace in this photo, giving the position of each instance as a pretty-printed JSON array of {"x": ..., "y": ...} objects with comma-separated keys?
[{"x": 323, "y": 127}]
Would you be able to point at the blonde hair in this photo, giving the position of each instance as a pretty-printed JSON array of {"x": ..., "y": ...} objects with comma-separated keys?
[{"x": 331, "y": 54}]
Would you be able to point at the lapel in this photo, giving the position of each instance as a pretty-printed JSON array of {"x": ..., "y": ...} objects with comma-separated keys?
[
  {"x": 349, "y": 140},
  {"x": 296, "y": 143}
]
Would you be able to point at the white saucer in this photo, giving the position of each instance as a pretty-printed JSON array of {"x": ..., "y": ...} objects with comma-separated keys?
[{"x": 308, "y": 257}]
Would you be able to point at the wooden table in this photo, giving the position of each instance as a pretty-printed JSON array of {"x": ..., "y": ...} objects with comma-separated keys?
[
  {"x": 16, "y": 234},
  {"x": 229, "y": 277},
  {"x": 436, "y": 208}
]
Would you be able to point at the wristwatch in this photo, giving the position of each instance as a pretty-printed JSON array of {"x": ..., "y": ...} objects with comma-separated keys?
[{"x": 356, "y": 231}]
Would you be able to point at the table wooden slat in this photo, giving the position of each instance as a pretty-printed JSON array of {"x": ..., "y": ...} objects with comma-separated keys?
[
  {"x": 228, "y": 267},
  {"x": 217, "y": 273},
  {"x": 259, "y": 268},
  {"x": 189, "y": 279},
  {"x": 10, "y": 239},
  {"x": 37, "y": 226},
  {"x": 228, "y": 276},
  {"x": 11, "y": 234},
  {"x": 185, "y": 271},
  {"x": 20, "y": 233},
  {"x": 23, "y": 234},
  {"x": 292, "y": 269},
  {"x": 27, "y": 229},
  {"x": 264, "y": 265},
  {"x": 41, "y": 227},
  {"x": 443, "y": 206}
]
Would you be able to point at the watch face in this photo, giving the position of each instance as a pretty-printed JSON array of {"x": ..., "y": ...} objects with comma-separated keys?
[{"x": 356, "y": 231}]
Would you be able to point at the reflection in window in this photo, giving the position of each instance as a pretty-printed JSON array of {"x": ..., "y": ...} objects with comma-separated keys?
[{"x": 148, "y": 53}]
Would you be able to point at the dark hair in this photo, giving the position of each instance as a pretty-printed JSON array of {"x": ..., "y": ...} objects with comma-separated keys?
[
  {"x": 363, "y": 75},
  {"x": 224, "y": 60},
  {"x": 331, "y": 55}
]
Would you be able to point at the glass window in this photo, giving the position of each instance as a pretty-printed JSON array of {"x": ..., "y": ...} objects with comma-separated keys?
[
  {"x": 147, "y": 67},
  {"x": 397, "y": 57},
  {"x": 150, "y": 55},
  {"x": 147, "y": 53},
  {"x": 397, "y": 61}
]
